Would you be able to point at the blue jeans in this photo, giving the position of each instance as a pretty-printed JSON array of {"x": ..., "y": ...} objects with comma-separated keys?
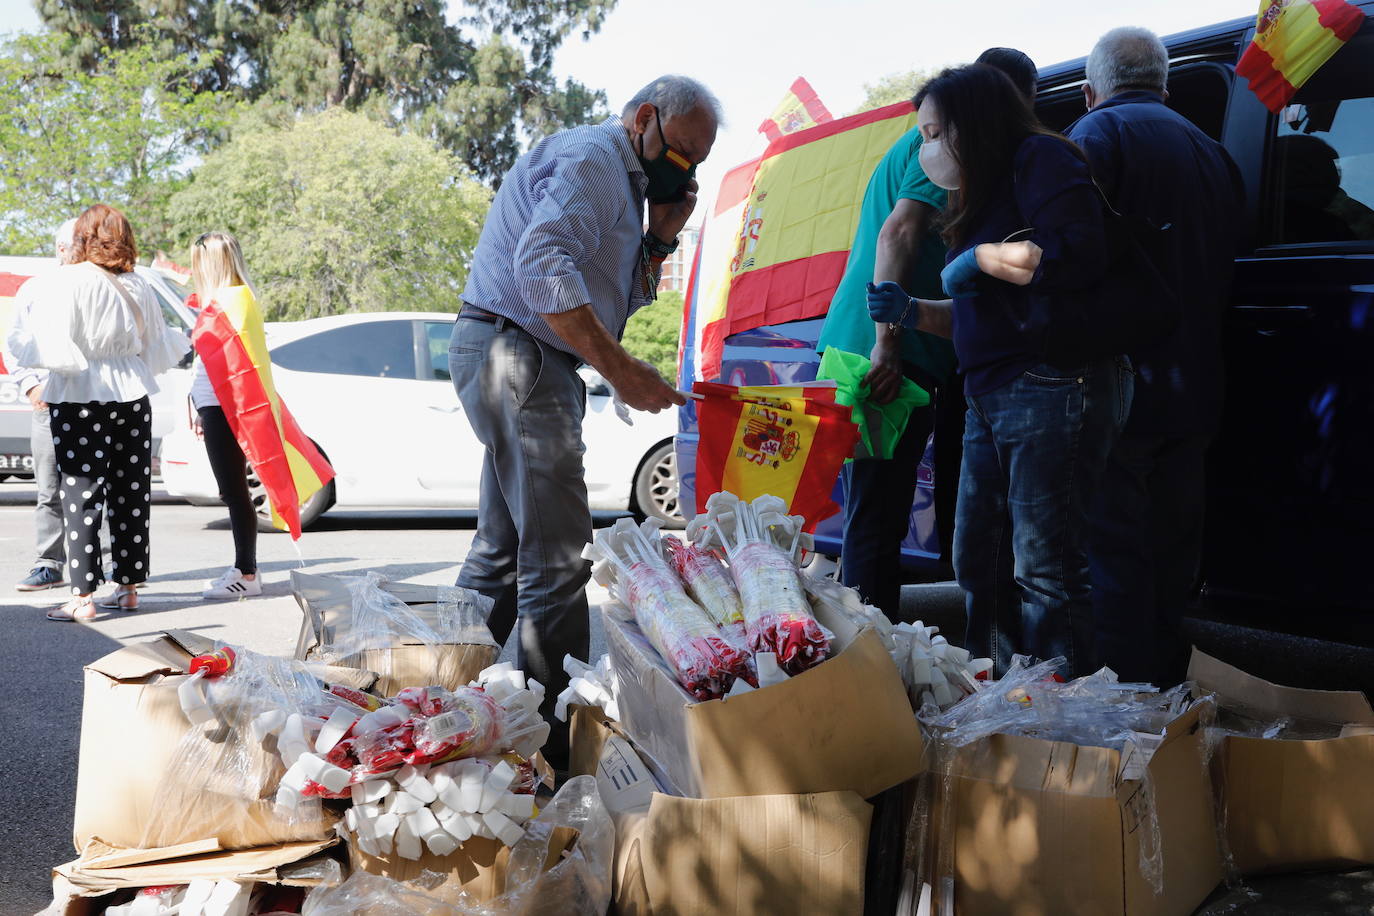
[
  {"x": 1034, "y": 454},
  {"x": 1145, "y": 548},
  {"x": 526, "y": 403}
]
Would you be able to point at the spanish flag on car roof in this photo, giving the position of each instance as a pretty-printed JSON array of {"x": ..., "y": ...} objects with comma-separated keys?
[
  {"x": 1293, "y": 39},
  {"x": 230, "y": 341}
]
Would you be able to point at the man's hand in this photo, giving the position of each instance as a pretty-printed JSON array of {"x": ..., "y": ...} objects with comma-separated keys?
[
  {"x": 884, "y": 380},
  {"x": 36, "y": 397},
  {"x": 1014, "y": 262},
  {"x": 640, "y": 386},
  {"x": 666, "y": 220},
  {"x": 888, "y": 302}
]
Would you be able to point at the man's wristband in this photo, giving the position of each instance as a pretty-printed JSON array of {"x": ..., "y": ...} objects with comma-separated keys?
[{"x": 656, "y": 248}]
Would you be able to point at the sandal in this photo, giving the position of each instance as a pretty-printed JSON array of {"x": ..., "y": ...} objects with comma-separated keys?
[
  {"x": 78, "y": 609},
  {"x": 123, "y": 598}
]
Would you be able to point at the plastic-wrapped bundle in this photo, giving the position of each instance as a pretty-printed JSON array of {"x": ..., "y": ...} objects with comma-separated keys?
[
  {"x": 704, "y": 658},
  {"x": 708, "y": 582},
  {"x": 777, "y": 615}
]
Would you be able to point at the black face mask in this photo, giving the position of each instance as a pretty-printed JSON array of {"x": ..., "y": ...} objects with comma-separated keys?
[{"x": 668, "y": 173}]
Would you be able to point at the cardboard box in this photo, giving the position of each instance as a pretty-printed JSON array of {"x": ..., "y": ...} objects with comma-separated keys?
[
  {"x": 742, "y": 855},
  {"x": 327, "y": 607},
  {"x": 587, "y": 733},
  {"x": 85, "y": 885},
  {"x": 1293, "y": 804},
  {"x": 844, "y": 725},
  {"x": 1050, "y": 827},
  {"x": 132, "y": 731}
]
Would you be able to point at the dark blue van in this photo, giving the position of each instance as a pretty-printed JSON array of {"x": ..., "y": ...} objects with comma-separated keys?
[{"x": 1291, "y": 498}]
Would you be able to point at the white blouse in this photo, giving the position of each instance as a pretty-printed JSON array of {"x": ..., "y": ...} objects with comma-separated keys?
[{"x": 83, "y": 332}]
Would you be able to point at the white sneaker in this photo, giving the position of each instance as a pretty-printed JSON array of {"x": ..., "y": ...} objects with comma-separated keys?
[{"x": 232, "y": 584}]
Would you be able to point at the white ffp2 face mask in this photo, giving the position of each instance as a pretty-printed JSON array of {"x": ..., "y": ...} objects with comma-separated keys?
[{"x": 939, "y": 165}]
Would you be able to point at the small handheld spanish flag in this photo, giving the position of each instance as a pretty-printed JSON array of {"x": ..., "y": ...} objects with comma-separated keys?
[
  {"x": 1293, "y": 39},
  {"x": 799, "y": 109}
]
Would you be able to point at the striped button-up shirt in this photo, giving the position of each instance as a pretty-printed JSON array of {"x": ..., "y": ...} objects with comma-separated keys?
[{"x": 564, "y": 231}]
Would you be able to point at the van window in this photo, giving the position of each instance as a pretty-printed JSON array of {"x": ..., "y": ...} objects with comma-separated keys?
[
  {"x": 1321, "y": 160},
  {"x": 379, "y": 349}
]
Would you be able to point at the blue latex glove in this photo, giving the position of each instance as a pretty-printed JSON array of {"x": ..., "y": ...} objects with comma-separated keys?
[
  {"x": 888, "y": 302},
  {"x": 960, "y": 276}
]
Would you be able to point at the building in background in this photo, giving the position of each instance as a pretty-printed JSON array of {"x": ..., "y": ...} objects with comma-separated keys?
[{"x": 679, "y": 264}]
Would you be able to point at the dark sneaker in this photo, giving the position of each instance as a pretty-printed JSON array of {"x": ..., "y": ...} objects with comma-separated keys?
[{"x": 39, "y": 578}]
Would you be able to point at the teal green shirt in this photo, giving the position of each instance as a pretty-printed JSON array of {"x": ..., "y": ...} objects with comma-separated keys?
[{"x": 847, "y": 326}]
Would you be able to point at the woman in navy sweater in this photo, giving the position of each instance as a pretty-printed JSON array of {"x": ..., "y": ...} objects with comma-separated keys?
[{"x": 1037, "y": 435}]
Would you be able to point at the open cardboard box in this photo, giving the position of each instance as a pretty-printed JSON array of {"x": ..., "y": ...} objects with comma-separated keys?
[
  {"x": 132, "y": 731},
  {"x": 1293, "y": 804},
  {"x": 327, "y": 607},
  {"x": 846, "y": 724},
  {"x": 730, "y": 856},
  {"x": 86, "y": 885},
  {"x": 1050, "y": 827}
]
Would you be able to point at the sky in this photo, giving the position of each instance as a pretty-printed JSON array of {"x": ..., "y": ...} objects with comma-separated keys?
[{"x": 749, "y": 51}]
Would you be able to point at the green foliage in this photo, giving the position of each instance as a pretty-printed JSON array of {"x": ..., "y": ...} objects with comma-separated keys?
[
  {"x": 338, "y": 213},
  {"x": 120, "y": 134},
  {"x": 463, "y": 84},
  {"x": 895, "y": 87},
  {"x": 652, "y": 333}
]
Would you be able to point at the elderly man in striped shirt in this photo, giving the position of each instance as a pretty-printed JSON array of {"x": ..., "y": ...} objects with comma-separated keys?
[{"x": 563, "y": 261}]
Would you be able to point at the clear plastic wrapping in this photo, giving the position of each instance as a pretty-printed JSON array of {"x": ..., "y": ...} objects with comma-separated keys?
[
  {"x": 705, "y": 659},
  {"x": 579, "y": 881},
  {"x": 762, "y": 544},
  {"x": 708, "y": 582}
]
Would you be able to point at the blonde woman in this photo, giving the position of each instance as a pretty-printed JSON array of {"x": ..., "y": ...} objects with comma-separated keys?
[
  {"x": 217, "y": 264},
  {"x": 102, "y": 338}
]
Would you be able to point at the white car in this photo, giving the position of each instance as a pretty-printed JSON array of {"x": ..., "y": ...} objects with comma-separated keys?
[{"x": 373, "y": 392}]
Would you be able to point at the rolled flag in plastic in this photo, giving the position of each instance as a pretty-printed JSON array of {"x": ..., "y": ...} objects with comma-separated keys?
[{"x": 229, "y": 339}]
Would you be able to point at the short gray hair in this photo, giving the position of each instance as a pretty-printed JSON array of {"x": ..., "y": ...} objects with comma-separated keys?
[
  {"x": 675, "y": 95},
  {"x": 65, "y": 234},
  {"x": 1127, "y": 58}
]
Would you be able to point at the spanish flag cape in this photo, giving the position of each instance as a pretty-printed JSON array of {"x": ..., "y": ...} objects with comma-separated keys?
[
  {"x": 229, "y": 339},
  {"x": 1293, "y": 39}
]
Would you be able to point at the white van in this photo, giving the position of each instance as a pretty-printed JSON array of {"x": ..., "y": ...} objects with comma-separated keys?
[{"x": 15, "y": 413}]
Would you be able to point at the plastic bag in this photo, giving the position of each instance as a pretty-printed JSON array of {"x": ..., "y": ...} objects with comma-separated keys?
[
  {"x": 762, "y": 544},
  {"x": 708, "y": 582},
  {"x": 579, "y": 882},
  {"x": 704, "y": 658}
]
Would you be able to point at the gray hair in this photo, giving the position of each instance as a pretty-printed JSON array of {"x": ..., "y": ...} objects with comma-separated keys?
[
  {"x": 1127, "y": 58},
  {"x": 65, "y": 234},
  {"x": 675, "y": 95}
]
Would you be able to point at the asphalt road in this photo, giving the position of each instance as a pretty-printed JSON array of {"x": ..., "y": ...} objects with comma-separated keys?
[{"x": 41, "y": 661}]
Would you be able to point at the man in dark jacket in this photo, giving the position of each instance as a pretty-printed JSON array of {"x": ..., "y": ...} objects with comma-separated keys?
[{"x": 1146, "y": 536}]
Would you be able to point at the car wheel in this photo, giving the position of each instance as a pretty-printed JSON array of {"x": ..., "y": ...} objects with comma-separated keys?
[
  {"x": 655, "y": 490},
  {"x": 314, "y": 507}
]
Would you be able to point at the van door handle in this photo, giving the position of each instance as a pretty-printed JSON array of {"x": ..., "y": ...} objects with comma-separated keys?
[{"x": 453, "y": 409}]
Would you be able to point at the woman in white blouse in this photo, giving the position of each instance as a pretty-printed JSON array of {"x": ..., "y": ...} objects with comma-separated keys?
[{"x": 97, "y": 328}]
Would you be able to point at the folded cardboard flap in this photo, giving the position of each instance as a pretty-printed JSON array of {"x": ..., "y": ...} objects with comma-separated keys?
[
  {"x": 161, "y": 656},
  {"x": 1053, "y": 827},
  {"x": 587, "y": 733},
  {"x": 1266, "y": 700},
  {"x": 94, "y": 873},
  {"x": 845, "y": 724}
]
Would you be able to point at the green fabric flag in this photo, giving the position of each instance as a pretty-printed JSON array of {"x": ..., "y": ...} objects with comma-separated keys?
[{"x": 880, "y": 425}]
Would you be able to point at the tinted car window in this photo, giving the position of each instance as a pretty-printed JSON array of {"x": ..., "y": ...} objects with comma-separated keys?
[
  {"x": 380, "y": 349},
  {"x": 1322, "y": 159},
  {"x": 437, "y": 334}
]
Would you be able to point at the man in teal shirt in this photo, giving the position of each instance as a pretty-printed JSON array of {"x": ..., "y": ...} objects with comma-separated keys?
[{"x": 896, "y": 240}]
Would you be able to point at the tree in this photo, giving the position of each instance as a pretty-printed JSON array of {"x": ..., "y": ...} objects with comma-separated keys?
[
  {"x": 895, "y": 87},
  {"x": 463, "y": 84},
  {"x": 338, "y": 213},
  {"x": 121, "y": 134},
  {"x": 652, "y": 333}
]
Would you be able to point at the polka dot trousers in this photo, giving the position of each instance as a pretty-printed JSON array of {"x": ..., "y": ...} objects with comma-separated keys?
[{"x": 104, "y": 457}]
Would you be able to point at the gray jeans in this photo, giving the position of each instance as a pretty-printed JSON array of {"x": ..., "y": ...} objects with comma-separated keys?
[
  {"x": 526, "y": 403},
  {"x": 47, "y": 516}
]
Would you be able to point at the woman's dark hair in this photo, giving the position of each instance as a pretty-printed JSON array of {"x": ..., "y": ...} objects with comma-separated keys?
[
  {"x": 103, "y": 236},
  {"x": 983, "y": 119},
  {"x": 1015, "y": 64}
]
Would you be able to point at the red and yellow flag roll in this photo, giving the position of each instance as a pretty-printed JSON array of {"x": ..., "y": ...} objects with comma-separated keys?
[
  {"x": 229, "y": 339},
  {"x": 1293, "y": 39},
  {"x": 790, "y": 442}
]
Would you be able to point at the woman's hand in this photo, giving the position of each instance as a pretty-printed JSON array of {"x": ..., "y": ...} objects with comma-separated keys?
[
  {"x": 1014, "y": 262},
  {"x": 198, "y": 428}
]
